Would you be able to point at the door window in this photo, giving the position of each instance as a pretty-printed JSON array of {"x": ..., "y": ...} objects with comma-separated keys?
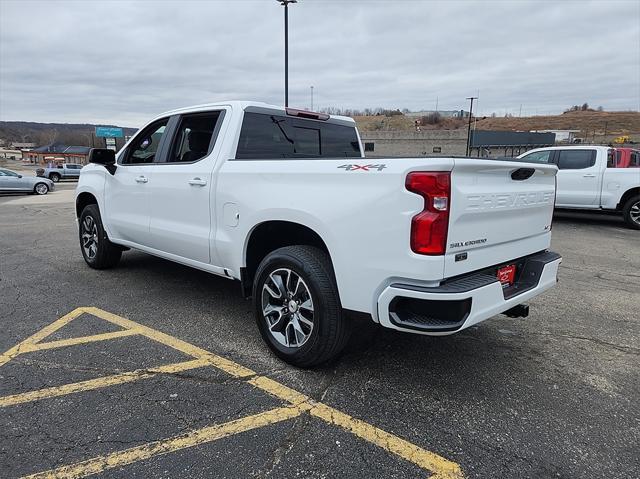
[
  {"x": 538, "y": 157},
  {"x": 576, "y": 159},
  {"x": 144, "y": 148},
  {"x": 193, "y": 137}
]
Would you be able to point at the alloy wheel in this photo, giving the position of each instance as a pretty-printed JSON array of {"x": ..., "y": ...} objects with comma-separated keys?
[
  {"x": 42, "y": 189},
  {"x": 89, "y": 237},
  {"x": 287, "y": 307},
  {"x": 634, "y": 212}
]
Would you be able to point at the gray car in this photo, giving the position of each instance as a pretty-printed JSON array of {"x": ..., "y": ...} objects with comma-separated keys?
[{"x": 12, "y": 182}]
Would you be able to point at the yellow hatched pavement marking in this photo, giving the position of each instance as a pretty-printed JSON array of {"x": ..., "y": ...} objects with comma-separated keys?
[
  {"x": 299, "y": 403},
  {"x": 80, "y": 340},
  {"x": 226, "y": 365},
  {"x": 39, "y": 336},
  {"x": 190, "y": 439},
  {"x": 101, "y": 382}
]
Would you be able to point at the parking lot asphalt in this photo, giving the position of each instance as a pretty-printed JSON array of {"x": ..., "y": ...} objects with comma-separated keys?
[{"x": 153, "y": 369}]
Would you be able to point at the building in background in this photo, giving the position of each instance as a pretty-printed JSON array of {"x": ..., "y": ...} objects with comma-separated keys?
[
  {"x": 56, "y": 153},
  {"x": 562, "y": 136}
]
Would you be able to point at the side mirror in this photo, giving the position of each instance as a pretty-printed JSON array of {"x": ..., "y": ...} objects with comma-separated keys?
[
  {"x": 19, "y": 176},
  {"x": 102, "y": 156}
]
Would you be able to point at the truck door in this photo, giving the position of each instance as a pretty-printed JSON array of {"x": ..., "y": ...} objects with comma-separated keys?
[
  {"x": 182, "y": 191},
  {"x": 579, "y": 178},
  {"x": 127, "y": 192}
]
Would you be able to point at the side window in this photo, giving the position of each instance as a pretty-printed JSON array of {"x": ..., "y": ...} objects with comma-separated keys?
[
  {"x": 635, "y": 159},
  {"x": 144, "y": 148},
  {"x": 537, "y": 157},
  {"x": 193, "y": 137},
  {"x": 2, "y": 173},
  {"x": 265, "y": 136},
  {"x": 576, "y": 159}
]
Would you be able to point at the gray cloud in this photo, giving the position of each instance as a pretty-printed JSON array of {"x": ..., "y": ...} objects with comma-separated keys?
[{"x": 122, "y": 62}]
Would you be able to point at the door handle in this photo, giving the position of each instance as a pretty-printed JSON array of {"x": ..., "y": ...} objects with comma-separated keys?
[
  {"x": 589, "y": 175},
  {"x": 197, "y": 182},
  {"x": 141, "y": 179}
]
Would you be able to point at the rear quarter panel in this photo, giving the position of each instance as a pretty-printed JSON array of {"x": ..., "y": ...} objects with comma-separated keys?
[
  {"x": 363, "y": 216},
  {"x": 615, "y": 182}
]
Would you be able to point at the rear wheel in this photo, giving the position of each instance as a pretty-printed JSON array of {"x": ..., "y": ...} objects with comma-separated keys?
[
  {"x": 41, "y": 189},
  {"x": 97, "y": 250},
  {"x": 297, "y": 306},
  {"x": 55, "y": 177},
  {"x": 631, "y": 212}
]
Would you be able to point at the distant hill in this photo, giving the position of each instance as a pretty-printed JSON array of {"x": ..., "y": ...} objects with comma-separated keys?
[
  {"x": 615, "y": 123},
  {"x": 45, "y": 133}
]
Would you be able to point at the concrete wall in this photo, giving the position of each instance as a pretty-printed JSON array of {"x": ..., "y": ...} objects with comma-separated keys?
[{"x": 415, "y": 143}]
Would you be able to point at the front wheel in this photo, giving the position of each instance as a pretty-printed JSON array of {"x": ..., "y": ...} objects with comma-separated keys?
[
  {"x": 631, "y": 212},
  {"x": 297, "y": 306},
  {"x": 41, "y": 189},
  {"x": 97, "y": 250},
  {"x": 55, "y": 177}
]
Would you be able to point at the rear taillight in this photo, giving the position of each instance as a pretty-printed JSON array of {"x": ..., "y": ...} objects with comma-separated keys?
[{"x": 429, "y": 227}]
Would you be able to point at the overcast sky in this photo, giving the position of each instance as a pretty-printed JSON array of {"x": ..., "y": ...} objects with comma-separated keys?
[{"x": 121, "y": 62}]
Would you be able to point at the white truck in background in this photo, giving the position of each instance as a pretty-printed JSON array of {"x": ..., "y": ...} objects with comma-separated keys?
[
  {"x": 588, "y": 180},
  {"x": 285, "y": 202}
]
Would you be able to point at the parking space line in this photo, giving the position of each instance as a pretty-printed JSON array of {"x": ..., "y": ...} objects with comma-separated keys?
[
  {"x": 100, "y": 382},
  {"x": 230, "y": 367},
  {"x": 40, "y": 335},
  {"x": 425, "y": 459},
  {"x": 299, "y": 403},
  {"x": 80, "y": 340},
  {"x": 444, "y": 469},
  {"x": 190, "y": 439}
]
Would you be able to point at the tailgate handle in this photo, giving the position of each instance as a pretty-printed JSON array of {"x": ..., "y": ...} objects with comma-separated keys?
[{"x": 522, "y": 174}]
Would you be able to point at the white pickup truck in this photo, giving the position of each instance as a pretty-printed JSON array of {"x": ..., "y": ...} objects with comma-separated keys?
[
  {"x": 589, "y": 180},
  {"x": 284, "y": 201}
]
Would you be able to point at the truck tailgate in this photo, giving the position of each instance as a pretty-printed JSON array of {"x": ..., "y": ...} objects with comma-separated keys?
[{"x": 499, "y": 211}]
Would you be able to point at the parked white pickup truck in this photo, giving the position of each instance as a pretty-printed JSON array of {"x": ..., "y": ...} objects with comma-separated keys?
[
  {"x": 284, "y": 201},
  {"x": 588, "y": 179}
]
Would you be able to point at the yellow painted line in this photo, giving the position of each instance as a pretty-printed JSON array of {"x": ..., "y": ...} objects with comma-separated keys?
[
  {"x": 80, "y": 340},
  {"x": 441, "y": 467},
  {"x": 39, "y": 336},
  {"x": 226, "y": 365},
  {"x": 101, "y": 382},
  {"x": 194, "y": 438}
]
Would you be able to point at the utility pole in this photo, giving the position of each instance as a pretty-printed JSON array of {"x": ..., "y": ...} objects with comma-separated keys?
[
  {"x": 311, "y": 98},
  {"x": 469, "y": 126},
  {"x": 285, "y": 4}
]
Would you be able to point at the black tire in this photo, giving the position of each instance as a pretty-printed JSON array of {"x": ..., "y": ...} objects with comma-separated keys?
[
  {"x": 105, "y": 254},
  {"x": 41, "y": 189},
  {"x": 330, "y": 331},
  {"x": 631, "y": 212},
  {"x": 55, "y": 177}
]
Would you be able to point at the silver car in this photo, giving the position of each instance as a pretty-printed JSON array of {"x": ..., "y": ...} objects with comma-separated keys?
[{"x": 12, "y": 182}]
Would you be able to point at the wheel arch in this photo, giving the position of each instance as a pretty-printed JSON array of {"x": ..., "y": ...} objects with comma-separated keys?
[
  {"x": 83, "y": 200},
  {"x": 625, "y": 197},
  {"x": 270, "y": 235}
]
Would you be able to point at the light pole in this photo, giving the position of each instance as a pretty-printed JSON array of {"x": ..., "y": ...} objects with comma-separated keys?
[
  {"x": 469, "y": 127},
  {"x": 285, "y": 4},
  {"x": 311, "y": 98}
]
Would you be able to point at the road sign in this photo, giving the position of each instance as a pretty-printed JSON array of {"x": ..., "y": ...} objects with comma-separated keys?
[{"x": 108, "y": 132}]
